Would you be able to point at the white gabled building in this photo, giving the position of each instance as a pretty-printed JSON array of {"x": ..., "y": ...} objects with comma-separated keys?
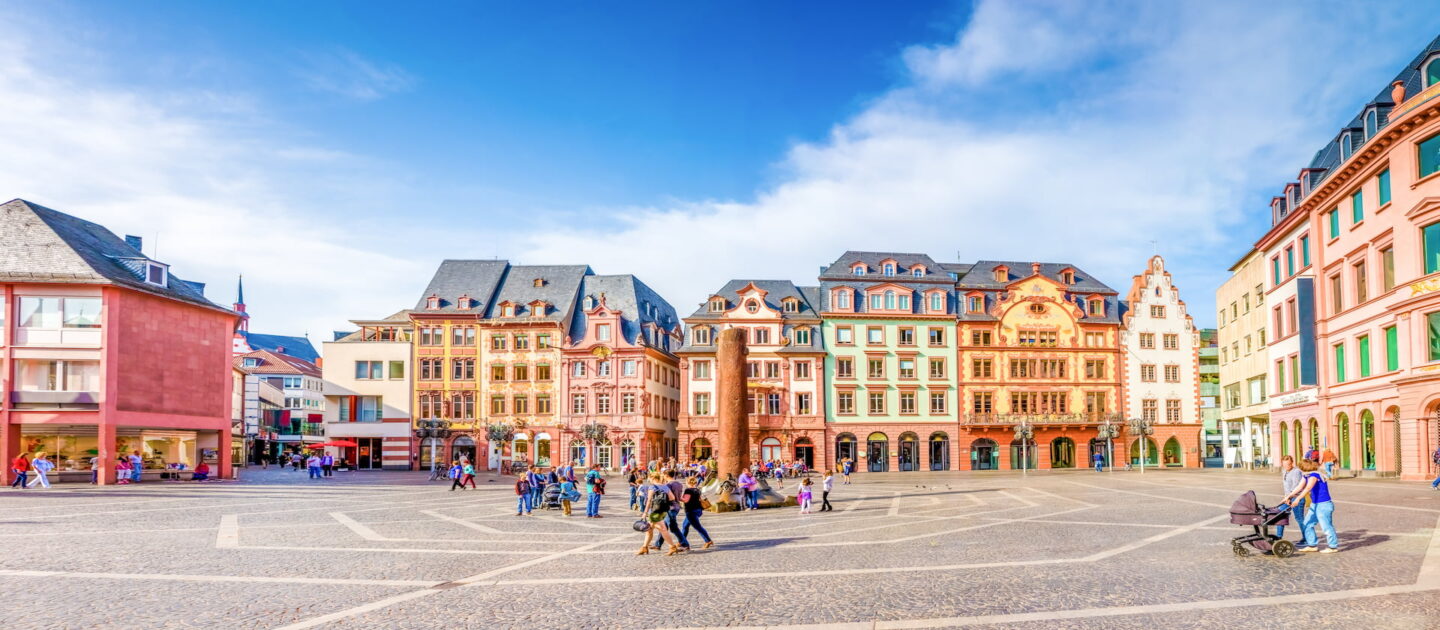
[{"x": 1160, "y": 359}]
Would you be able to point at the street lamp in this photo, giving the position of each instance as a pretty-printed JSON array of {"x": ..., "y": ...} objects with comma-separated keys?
[
  {"x": 1024, "y": 432},
  {"x": 433, "y": 430},
  {"x": 1109, "y": 431},
  {"x": 1141, "y": 427}
]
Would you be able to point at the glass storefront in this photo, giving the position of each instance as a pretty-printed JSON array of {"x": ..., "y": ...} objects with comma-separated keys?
[{"x": 73, "y": 449}]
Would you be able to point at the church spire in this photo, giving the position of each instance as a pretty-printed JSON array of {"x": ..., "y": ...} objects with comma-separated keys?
[{"x": 240, "y": 304}]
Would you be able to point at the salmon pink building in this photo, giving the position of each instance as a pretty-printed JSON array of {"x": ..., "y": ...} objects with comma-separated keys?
[
  {"x": 1354, "y": 286},
  {"x": 104, "y": 352}
]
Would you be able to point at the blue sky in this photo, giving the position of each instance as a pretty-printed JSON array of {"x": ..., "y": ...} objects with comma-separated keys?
[{"x": 334, "y": 152}]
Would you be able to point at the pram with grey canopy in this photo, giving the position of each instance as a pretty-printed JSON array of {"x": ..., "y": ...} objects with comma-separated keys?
[{"x": 1247, "y": 511}]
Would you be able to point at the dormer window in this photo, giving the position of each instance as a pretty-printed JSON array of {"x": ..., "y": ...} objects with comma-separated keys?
[
  {"x": 858, "y": 269},
  {"x": 539, "y": 282},
  {"x": 1431, "y": 71},
  {"x": 918, "y": 271},
  {"x": 156, "y": 274},
  {"x": 251, "y": 362},
  {"x": 791, "y": 305},
  {"x": 974, "y": 304},
  {"x": 1067, "y": 277},
  {"x": 432, "y": 303},
  {"x": 937, "y": 302},
  {"x": 752, "y": 306},
  {"x": 1372, "y": 123},
  {"x": 507, "y": 311},
  {"x": 701, "y": 336},
  {"x": 1346, "y": 146},
  {"x": 589, "y": 303},
  {"x": 463, "y": 303},
  {"x": 842, "y": 299},
  {"x": 1002, "y": 273},
  {"x": 889, "y": 269},
  {"x": 1097, "y": 307}
]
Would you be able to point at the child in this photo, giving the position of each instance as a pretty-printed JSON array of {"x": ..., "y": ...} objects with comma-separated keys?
[
  {"x": 567, "y": 494},
  {"x": 454, "y": 473},
  {"x": 804, "y": 498},
  {"x": 467, "y": 476},
  {"x": 826, "y": 485},
  {"x": 122, "y": 471}
]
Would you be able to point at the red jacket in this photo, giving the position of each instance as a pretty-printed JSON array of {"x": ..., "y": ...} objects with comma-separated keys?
[{"x": 21, "y": 464}]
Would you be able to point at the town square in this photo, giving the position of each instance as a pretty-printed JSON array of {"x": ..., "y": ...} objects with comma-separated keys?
[
  {"x": 943, "y": 313},
  {"x": 1008, "y": 550}
]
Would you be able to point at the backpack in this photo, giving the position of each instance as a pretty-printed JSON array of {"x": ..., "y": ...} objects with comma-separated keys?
[
  {"x": 599, "y": 485},
  {"x": 659, "y": 501}
]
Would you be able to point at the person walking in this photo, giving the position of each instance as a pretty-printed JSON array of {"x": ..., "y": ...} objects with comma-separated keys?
[
  {"x": 804, "y": 497},
  {"x": 1321, "y": 512},
  {"x": 1099, "y": 462},
  {"x": 1290, "y": 480},
  {"x": 658, "y": 499},
  {"x": 454, "y": 473},
  {"x": 467, "y": 476},
  {"x": 327, "y": 464},
  {"x": 635, "y": 478},
  {"x": 1435, "y": 459},
  {"x": 1328, "y": 460},
  {"x": 672, "y": 518},
  {"x": 747, "y": 487},
  {"x": 41, "y": 466},
  {"x": 137, "y": 466},
  {"x": 594, "y": 488},
  {"x": 522, "y": 494},
  {"x": 20, "y": 467},
  {"x": 694, "y": 507},
  {"x": 312, "y": 464},
  {"x": 825, "y": 485}
]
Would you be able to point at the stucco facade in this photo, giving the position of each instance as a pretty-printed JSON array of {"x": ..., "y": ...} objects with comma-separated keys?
[
  {"x": 1244, "y": 399},
  {"x": 1160, "y": 359},
  {"x": 368, "y": 386}
]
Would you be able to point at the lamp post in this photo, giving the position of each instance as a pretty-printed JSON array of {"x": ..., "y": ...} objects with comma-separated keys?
[
  {"x": 433, "y": 430},
  {"x": 1024, "y": 432},
  {"x": 1141, "y": 427},
  {"x": 1109, "y": 431}
]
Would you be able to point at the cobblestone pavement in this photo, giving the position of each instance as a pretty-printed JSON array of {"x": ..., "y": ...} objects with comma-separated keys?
[{"x": 1056, "y": 549}]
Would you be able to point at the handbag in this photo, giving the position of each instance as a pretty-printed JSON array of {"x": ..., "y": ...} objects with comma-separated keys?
[
  {"x": 705, "y": 504},
  {"x": 641, "y": 525}
]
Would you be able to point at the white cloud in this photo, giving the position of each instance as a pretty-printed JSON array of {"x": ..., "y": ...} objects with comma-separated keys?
[{"x": 343, "y": 71}]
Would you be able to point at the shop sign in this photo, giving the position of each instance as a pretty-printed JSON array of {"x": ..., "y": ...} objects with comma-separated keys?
[{"x": 1290, "y": 400}]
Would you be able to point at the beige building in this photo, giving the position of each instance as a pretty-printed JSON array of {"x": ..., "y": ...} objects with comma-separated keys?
[
  {"x": 1244, "y": 363},
  {"x": 367, "y": 391}
]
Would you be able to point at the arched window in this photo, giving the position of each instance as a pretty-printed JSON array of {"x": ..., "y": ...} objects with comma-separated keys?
[
  {"x": 1372, "y": 123},
  {"x": 1367, "y": 429},
  {"x": 918, "y": 272},
  {"x": 770, "y": 450},
  {"x": 858, "y": 270},
  {"x": 1432, "y": 72},
  {"x": 937, "y": 301},
  {"x": 842, "y": 298},
  {"x": 889, "y": 269},
  {"x": 1346, "y": 146},
  {"x": 877, "y": 452},
  {"x": 890, "y": 300},
  {"x": 699, "y": 449}
]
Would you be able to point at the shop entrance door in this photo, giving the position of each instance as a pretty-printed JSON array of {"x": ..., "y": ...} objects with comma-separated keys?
[{"x": 367, "y": 453}]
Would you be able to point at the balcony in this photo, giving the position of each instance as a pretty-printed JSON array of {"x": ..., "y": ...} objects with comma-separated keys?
[
  {"x": 303, "y": 428},
  {"x": 1010, "y": 419}
]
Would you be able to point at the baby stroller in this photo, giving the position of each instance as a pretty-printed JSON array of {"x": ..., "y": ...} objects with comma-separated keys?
[
  {"x": 550, "y": 497},
  {"x": 1247, "y": 511}
]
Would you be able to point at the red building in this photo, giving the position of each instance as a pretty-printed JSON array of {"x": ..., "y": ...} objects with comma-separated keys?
[{"x": 103, "y": 352}]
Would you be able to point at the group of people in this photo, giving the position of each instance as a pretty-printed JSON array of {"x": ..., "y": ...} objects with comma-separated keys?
[
  {"x": 128, "y": 469},
  {"x": 1307, "y": 492},
  {"x": 319, "y": 465},
  {"x": 530, "y": 489}
]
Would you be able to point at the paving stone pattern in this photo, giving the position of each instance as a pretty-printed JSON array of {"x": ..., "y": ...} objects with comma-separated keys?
[{"x": 1058, "y": 549}]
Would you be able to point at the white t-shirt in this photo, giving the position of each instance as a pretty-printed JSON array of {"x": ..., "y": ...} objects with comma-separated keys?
[
  {"x": 828, "y": 484},
  {"x": 313, "y": 461}
]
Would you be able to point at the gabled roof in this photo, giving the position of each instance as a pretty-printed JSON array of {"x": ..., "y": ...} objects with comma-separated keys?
[
  {"x": 298, "y": 347},
  {"x": 775, "y": 292},
  {"x": 477, "y": 279},
  {"x": 981, "y": 276},
  {"x": 273, "y": 363},
  {"x": 637, "y": 302},
  {"x": 44, "y": 245}
]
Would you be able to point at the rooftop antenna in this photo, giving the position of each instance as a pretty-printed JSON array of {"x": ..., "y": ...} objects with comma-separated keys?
[{"x": 155, "y": 246}]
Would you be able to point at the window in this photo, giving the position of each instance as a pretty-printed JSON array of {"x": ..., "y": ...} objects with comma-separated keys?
[
  {"x": 627, "y": 402},
  {"x": 292, "y": 382},
  {"x": 1097, "y": 307},
  {"x": 1148, "y": 409},
  {"x": 1147, "y": 373},
  {"x": 877, "y": 403},
  {"x": 975, "y": 304},
  {"x": 1275, "y": 269},
  {"x": 717, "y": 305},
  {"x": 542, "y": 404},
  {"x": 369, "y": 370},
  {"x": 890, "y": 300},
  {"x": 1094, "y": 368},
  {"x": 906, "y": 336},
  {"x": 1432, "y": 73},
  {"x": 1001, "y": 274},
  {"x": 520, "y": 404},
  {"x": 1360, "y": 284},
  {"x": 760, "y": 336},
  {"x": 577, "y": 404},
  {"x": 983, "y": 402},
  {"x": 1372, "y": 123},
  {"x": 1172, "y": 374},
  {"x": 845, "y": 367},
  {"x": 1280, "y": 376},
  {"x": 936, "y": 336},
  {"x": 845, "y": 403},
  {"x": 802, "y": 369},
  {"x": 982, "y": 368},
  {"x": 1147, "y": 341},
  {"x": 1433, "y": 327},
  {"x": 1172, "y": 341},
  {"x": 1042, "y": 338},
  {"x": 801, "y": 336},
  {"x": 497, "y": 342},
  {"x": 628, "y": 367},
  {"x": 36, "y": 312},
  {"x": 918, "y": 272},
  {"x": 542, "y": 372},
  {"x": 542, "y": 341},
  {"x": 842, "y": 299},
  {"x": 937, "y": 368},
  {"x": 577, "y": 369},
  {"x": 248, "y": 362},
  {"x": 1333, "y": 218},
  {"x": 907, "y": 402},
  {"x": 875, "y": 368},
  {"x": 937, "y": 302},
  {"x": 1304, "y": 252},
  {"x": 1340, "y": 362},
  {"x": 1382, "y": 184},
  {"x": 497, "y": 371},
  {"x": 521, "y": 372},
  {"x": 457, "y": 335},
  {"x": 1337, "y": 294},
  {"x": 155, "y": 274},
  {"x": 802, "y": 404},
  {"x": 1094, "y": 402},
  {"x": 602, "y": 332},
  {"x": 702, "y": 370},
  {"x": 889, "y": 269},
  {"x": 701, "y": 335},
  {"x": 602, "y": 368},
  {"x": 602, "y": 403},
  {"x": 1357, "y": 208},
  {"x": 844, "y": 335},
  {"x": 791, "y": 306},
  {"x": 1289, "y": 262},
  {"x": 1387, "y": 268},
  {"x": 980, "y": 338},
  {"x": 1347, "y": 146},
  {"x": 772, "y": 369},
  {"x": 1172, "y": 411},
  {"x": 1392, "y": 350},
  {"x": 937, "y": 402},
  {"x": 1363, "y": 347},
  {"x": 877, "y": 302},
  {"x": 1430, "y": 152},
  {"x": 1431, "y": 236},
  {"x": 1094, "y": 339},
  {"x": 874, "y": 335},
  {"x": 907, "y": 368},
  {"x": 57, "y": 376}
]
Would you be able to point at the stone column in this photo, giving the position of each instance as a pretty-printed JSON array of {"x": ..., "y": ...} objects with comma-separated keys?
[
  {"x": 1225, "y": 456},
  {"x": 733, "y": 449},
  {"x": 1247, "y": 442}
]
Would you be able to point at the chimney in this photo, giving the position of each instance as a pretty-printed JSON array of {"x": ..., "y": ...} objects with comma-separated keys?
[
  {"x": 134, "y": 242},
  {"x": 1035, "y": 268}
]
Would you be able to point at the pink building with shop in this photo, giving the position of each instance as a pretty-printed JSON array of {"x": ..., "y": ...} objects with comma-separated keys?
[
  {"x": 104, "y": 352},
  {"x": 1353, "y": 266}
]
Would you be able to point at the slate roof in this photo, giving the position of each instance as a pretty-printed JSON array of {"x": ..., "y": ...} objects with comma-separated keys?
[
  {"x": 637, "y": 302},
  {"x": 298, "y": 347},
  {"x": 44, "y": 245},
  {"x": 274, "y": 363},
  {"x": 1328, "y": 157},
  {"x": 775, "y": 292},
  {"x": 982, "y": 277},
  {"x": 840, "y": 269},
  {"x": 562, "y": 286},
  {"x": 477, "y": 279}
]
